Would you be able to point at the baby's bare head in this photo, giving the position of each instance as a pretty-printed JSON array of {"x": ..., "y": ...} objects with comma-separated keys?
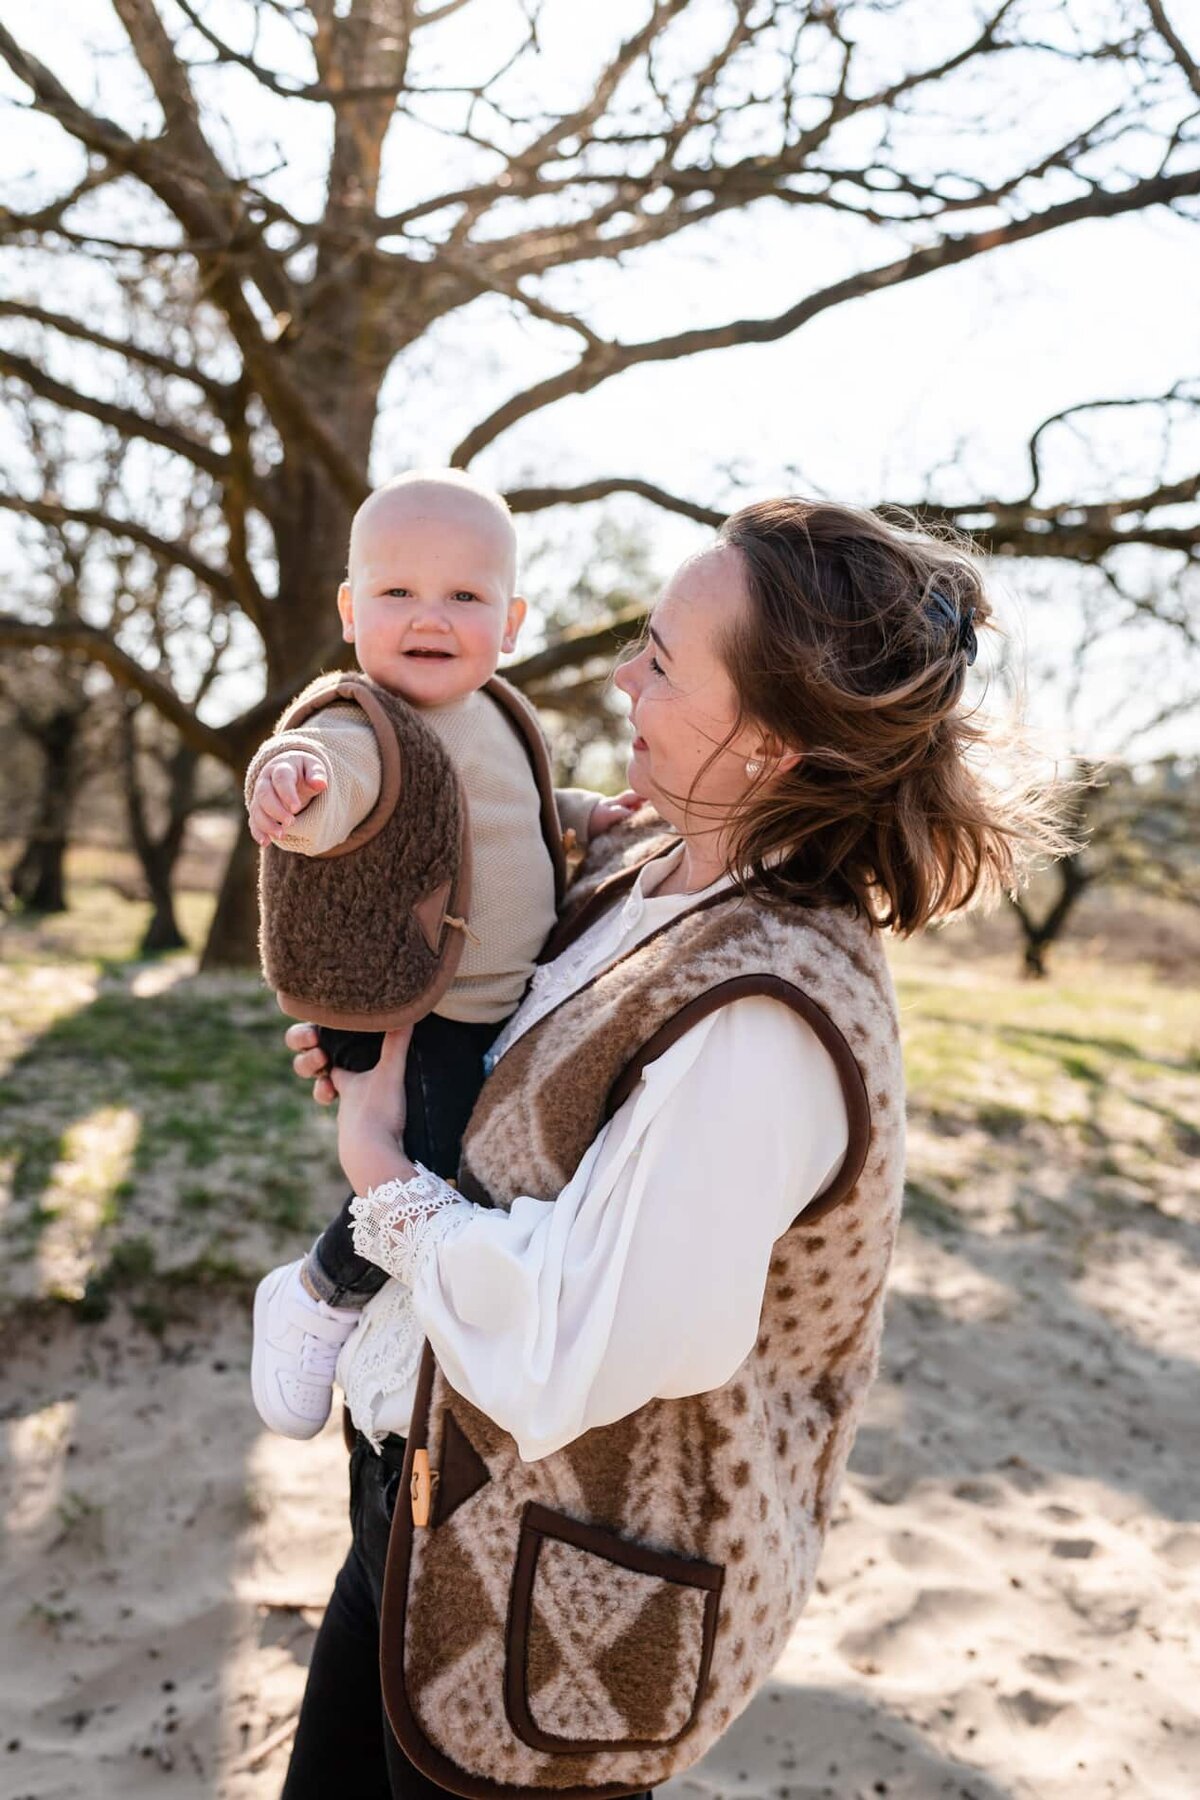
[
  {"x": 428, "y": 600},
  {"x": 437, "y": 499}
]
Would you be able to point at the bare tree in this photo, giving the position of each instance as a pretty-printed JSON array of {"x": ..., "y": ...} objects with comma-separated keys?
[
  {"x": 48, "y": 689},
  {"x": 49, "y": 705},
  {"x": 267, "y": 403},
  {"x": 160, "y": 778},
  {"x": 1141, "y": 836}
]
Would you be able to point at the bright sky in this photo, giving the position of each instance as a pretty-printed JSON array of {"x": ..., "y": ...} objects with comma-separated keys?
[{"x": 871, "y": 401}]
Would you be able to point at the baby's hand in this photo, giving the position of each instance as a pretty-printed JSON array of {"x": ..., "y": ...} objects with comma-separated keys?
[
  {"x": 607, "y": 813},
  {"x": 283, "y": 789}
]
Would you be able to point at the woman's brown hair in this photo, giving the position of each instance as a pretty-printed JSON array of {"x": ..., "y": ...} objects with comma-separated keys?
[{"x": 854, "y": 649}]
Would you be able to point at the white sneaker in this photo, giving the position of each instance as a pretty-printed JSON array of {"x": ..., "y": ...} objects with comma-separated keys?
[{"x": 296, "y": 1345}]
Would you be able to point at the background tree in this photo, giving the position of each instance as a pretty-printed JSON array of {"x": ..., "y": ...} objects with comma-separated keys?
[
  {"x": 236, "y": 327},
  {"x": 50, "y": 692},
  {"x": 48, "y": 701},
  {"x": 1142, "y": 831}
]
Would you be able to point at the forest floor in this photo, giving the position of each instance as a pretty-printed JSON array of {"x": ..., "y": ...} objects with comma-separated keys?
[{"x": 1007, "y": 1608}]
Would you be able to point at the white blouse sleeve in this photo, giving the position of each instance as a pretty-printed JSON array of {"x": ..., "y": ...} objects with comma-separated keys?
[{"x": 645, "y": 1278}]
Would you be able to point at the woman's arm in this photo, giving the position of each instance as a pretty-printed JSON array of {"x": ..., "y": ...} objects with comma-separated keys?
[{"x": 645, "y": 1277}]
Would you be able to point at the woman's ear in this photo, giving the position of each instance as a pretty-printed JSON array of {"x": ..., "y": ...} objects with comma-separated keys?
[
  {"x": 779, "y": 758},
  {"x": 513, "y": 622},
  {"x": 345, "y": 606}
]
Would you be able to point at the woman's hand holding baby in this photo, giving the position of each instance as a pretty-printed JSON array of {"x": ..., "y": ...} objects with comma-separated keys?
[
  {"x": 282, "y": 791},
  {"x": 372, "y": 1109},
  {"x": 310, "y": 1062}
]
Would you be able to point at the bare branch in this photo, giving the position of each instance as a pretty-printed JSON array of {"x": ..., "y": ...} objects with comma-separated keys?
[
  {"x": 147, "y": 359},
  {"x": 600, "y": 364},
  {"x": 537, "y": 499},
  {"x": 578, "y": 646},
  {"x": 46, "y": 218},
  {"x": 1178, "y": 48},
  {"x": 123, "y": 419},
  {"x": 180, "y": 555},
  {"x": 318, "y": 91},
  {"x": 22, "y": 634}
]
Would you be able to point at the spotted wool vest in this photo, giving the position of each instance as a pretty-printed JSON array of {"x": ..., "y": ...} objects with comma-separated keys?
[{"x": 589, "y": 1624}]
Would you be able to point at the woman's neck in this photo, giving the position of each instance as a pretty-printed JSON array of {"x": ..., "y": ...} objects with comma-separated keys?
[{"x": 702, "y": 863}]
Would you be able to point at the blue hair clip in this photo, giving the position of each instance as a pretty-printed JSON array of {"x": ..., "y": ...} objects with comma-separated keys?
[{"x": 941, "y": 608}]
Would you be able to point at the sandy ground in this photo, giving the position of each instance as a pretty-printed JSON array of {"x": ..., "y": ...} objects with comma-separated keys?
[{"x": 1007, "y": 1607}]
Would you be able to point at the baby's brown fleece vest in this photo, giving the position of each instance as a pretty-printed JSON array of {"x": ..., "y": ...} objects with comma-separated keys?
[
  {"x": 368, "y": 936},
  {"x": 591, "y": 1622}
]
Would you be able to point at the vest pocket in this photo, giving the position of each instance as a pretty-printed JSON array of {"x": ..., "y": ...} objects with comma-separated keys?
[{"x": 609, "y": 1642}]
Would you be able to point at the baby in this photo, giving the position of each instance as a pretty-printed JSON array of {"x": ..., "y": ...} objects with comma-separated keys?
[{"x": 429, "y": 605}]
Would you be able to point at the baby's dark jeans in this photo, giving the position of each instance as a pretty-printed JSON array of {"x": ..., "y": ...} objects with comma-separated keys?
[{"x": 442, "y": 1079}]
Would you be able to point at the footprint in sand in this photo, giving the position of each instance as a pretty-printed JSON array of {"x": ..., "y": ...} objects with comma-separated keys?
[
  {"x": 919, "y": 1550},
  {"x": 1052, "y": 1668},
  {"x": 946, "y": 1616},
  {"x": 1074, "y": 1549},
  {"x": 1030, "y": 1708},
  {"x": 1182, "y": 1550}
]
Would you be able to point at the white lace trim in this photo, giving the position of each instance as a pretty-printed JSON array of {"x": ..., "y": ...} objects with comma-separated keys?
[
  {"x": 380, "y": 1358},
  {"x": 397, "y": 1225}
]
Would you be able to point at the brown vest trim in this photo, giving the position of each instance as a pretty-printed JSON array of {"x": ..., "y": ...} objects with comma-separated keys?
[
  {"x": 854, "y": 1088},
  {"x": 463, "y": 1471},
  {"x": 576, "y": 923},
  {"x": 527, "y": 726},
  {"x": 539, "y": 1523},
  {"x": 389, "y": 756},
  {"x": 416, "y": 1746}
]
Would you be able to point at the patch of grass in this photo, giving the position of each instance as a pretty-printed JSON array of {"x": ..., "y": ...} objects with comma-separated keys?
[
  {"x": 131, "y": 1264},
  {"x": 227, "y": 1158},
  {"x": 100, "y": 925},
  {"x": 51, "y": 1618},
  {"x": 929, "y": 1211},
  {"x": 78, "y": 1515},
  {"x": 1001, "y": 1119},
  {"x": 197, "y": 1199}
]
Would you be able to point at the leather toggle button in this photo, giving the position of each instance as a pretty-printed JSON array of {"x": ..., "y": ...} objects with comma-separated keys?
[{"x": 423, "y": 1486}]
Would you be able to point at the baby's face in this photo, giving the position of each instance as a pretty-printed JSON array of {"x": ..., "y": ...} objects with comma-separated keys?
[{"x": 428, "y": 604}]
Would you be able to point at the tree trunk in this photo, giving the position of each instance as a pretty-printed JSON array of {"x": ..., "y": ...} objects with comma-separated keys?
[
  {"x": 158, "y": 855},
  {"x": 233, "y": 935},
  {"x": 1034, "y": 962},
  {"x": 1039, "y": 934},
  {"x": 312, "y": 529},
  {"x": 37, "y": 881},
  {"x": 162, "y": 933}
]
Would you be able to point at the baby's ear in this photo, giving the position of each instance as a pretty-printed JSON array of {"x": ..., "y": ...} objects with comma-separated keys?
[
  {"x": 513, "y": 622},
  {"x": 345, "y": 606}
]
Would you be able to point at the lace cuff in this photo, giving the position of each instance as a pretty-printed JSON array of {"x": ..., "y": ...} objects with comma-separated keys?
[{"x": 397, "y": 1225}]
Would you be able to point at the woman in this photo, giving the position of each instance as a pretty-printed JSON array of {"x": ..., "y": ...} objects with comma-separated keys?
[{"x": 653, "y": 1311}]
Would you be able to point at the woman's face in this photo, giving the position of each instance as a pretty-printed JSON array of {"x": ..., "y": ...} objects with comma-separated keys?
[{"x": 683, "y": 703}]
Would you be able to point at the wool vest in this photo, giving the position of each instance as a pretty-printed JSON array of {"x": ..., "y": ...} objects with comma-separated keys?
[
  {"x": 590, "y": 1623},
  {"x": 368, "y": 936}
]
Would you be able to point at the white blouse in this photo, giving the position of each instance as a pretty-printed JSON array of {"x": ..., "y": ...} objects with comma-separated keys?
[{"x": 644, "y": 1279}]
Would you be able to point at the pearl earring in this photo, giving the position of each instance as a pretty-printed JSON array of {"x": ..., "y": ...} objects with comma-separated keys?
[{"x": 753, "y": 767}]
